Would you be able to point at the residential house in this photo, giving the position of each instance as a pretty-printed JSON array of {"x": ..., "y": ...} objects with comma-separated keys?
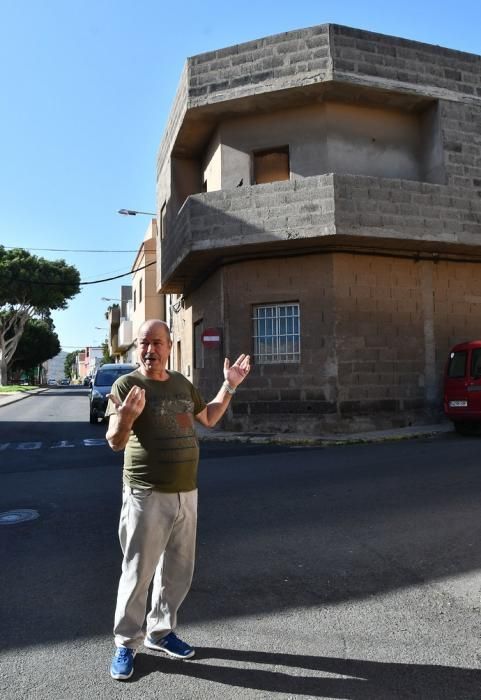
[
  {"x": 120, "y": 327},
  {"x": 146, "y": 303},
  {"x": 87, "y": 361},
  {"x": 319, "y": 206}
]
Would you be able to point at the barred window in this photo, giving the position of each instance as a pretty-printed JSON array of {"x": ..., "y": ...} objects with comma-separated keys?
[{"x": 276, "y": 333}]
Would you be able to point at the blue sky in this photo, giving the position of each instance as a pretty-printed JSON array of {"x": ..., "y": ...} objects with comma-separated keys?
[{"x": 86, "y": 90}]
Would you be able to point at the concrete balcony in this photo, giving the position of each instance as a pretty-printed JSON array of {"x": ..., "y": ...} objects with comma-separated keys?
[
  {"x": 314, "y": 214},
  {"x": 252, "y": 221},
  {"x": 114, "y": 321},
  {"x": 114, "y": 316},
  {"x": 125, "y": 334}
]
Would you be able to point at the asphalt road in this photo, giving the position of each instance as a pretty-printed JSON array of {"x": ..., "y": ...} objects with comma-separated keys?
[{"x": 339, "y": 572}]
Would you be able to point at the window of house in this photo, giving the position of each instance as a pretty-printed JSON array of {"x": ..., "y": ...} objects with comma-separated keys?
[
  {"x": 140, "y": 290},
  {"x": 276, "y": 333},
  {"x": 163, "y": 212},
  {"x": 271, "y": 165},
  {"x": 135, "y": 299},
  {"x": 198, "y": 345}
]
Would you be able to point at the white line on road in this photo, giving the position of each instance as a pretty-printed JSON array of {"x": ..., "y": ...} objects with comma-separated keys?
[{"x": 62, "y": 444}]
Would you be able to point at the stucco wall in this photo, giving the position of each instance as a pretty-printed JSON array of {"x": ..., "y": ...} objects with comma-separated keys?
[{"x": 332, "y": 137}]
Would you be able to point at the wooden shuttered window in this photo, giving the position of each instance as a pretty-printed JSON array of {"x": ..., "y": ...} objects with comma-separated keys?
[{"x": 271, "y": 165}]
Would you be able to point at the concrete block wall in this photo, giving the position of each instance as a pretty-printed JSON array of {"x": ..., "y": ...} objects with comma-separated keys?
[
  {"x": 443, "y": 214},
  {"x": 271, "y": 63},
  {"x": 396, "y": 321},
  {"x": 375, "y": 336},
  {"x": 429, "y": 217},
  {"x": 316, "y": 55},
  {"x": 392, "y": 61},
  {"x": 279, "y": 211},
  {"x": 407, "y": 210},
  {"x": 291, "y": 393},
  {"x": 457, "y": 306},
  {"x": 380, "y": 337},
  {"x": 177, "y": 113},
  {"x": 461, "y": 133}
]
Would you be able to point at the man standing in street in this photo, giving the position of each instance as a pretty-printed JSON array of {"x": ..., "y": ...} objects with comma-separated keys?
[{"x": 151, "y": 414}]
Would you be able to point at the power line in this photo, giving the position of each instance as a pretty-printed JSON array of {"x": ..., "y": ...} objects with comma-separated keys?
[
  {"x": 107, "y": 279},
  {"x": 68, "y": 250},
  {"x": 82, "y": 284}
]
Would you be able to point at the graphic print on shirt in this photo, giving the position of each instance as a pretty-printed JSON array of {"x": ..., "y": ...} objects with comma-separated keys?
[{"x": 174, "y": 414}]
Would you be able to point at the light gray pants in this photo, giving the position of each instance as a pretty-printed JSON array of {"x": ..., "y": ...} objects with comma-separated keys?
[{"x": 157, "y": 534}]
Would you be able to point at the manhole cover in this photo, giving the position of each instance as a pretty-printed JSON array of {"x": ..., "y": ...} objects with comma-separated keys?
[{"x": 21, "y": 515}]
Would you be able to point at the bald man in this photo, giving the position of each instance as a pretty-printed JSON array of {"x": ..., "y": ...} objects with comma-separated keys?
[{"x": 151, "y": 413}]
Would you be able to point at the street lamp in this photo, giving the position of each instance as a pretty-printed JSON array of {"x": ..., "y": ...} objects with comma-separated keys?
[
  {"x": 134, "y": 212},
  {"x": 100, "y": 328},
  {"x": 109, "y": 299}
]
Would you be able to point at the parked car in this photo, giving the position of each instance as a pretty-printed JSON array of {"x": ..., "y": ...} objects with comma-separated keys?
[
  {"x": 51, "y": 382},
  {"x": 65, "y": 381},
  {"x": 101, "y": 385},
  {"x": 462, "y": 387},
  {"x": 87, "y": 381}
]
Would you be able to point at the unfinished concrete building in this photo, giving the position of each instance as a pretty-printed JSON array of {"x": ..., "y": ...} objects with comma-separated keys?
[{"x": 319, "y": 206}]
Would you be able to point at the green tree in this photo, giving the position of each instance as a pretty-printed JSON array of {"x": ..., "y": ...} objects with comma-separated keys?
[
  {"x": 69, "y": 362},
  {"x": 37, "y": 344},
  {"x": 30, "y": 287},
  {"x": 106, "y": 356}
]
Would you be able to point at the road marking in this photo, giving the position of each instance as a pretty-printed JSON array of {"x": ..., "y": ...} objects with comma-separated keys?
[
  {"x": 61, "y": 444},
  {"x": 29, "y": 445},
  {"x": 94, "y": 442}
]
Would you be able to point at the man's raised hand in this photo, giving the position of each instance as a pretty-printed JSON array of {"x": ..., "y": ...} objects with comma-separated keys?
[
  {"x": 133, "y": 404},
  {"x": 236, "y": 373}
]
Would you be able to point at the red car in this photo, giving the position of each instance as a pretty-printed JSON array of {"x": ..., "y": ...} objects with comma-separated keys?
[{"x": 462, "y": 387}]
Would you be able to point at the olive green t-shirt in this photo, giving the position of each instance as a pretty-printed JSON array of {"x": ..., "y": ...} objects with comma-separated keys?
[{"x": 162, "y": 451}]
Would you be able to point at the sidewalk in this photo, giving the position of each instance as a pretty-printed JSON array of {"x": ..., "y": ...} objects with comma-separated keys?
[
  {"x": 14, "y": 396},
  {"x": 299, "y": 439}
]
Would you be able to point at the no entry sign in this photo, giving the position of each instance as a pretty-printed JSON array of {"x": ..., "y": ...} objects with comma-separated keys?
[{"x": 211, "y": 338}]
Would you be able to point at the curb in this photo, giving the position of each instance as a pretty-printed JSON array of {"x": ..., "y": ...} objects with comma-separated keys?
[{"x": 331, "y": 440}]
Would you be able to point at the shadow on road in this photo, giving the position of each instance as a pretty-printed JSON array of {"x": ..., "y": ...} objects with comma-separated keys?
[
  {"x": 364, "y": 680},
  {"x": 294, "y": 529}
]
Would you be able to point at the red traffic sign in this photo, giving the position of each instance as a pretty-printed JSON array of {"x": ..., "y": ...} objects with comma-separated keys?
[{"x": 211, "y": 338}]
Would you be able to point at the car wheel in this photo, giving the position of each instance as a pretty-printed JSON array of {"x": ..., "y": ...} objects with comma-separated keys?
[{"x": 93, "y": 419}]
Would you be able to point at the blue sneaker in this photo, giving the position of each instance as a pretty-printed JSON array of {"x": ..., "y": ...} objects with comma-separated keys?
[
  {"x": 122, "y": 666},
  {"x": 171, "y": 645}
]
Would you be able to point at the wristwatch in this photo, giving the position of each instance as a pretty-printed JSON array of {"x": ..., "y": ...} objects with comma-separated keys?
[{"x": 230, "y": 389}]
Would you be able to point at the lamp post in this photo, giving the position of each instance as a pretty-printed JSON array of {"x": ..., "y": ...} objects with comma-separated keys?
[
  {"x": 134, "y": 212},
  {"x": 109, "y": 299}
]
